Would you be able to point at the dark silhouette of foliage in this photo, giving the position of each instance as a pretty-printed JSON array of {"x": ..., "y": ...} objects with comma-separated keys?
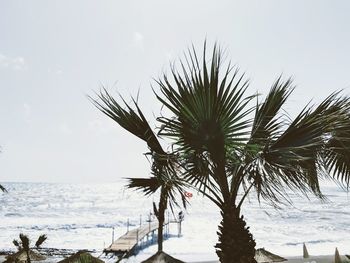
[
  {"x": 231, "y": 146},
  {"x": 24, "y": 243},
  {"x": 228, "y": 144},
  {"x": 164, "y": 167}
]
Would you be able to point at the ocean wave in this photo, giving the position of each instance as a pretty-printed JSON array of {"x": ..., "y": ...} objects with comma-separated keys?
[{"x": 309, "y": 242}]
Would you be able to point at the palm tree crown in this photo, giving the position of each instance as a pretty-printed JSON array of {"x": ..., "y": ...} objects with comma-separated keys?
[
  {"x": 226, "y": 142},
  {"x": 164, "y": 165},
  {"x": 229, "y": 145}
]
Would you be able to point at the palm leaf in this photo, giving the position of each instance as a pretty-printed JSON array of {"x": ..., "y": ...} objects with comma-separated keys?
[
  {"x": 211, "y": 116},
  {"x": 41, "y": 240},
  {"x": 292, "y": 160},
  {"x": 132, "y": 120},
  {"x": 24, "y": 241},
  {"x": 3, "y": 188},
  {"x": 147, "y": 185},
  {"x": 17, "y": 244},
  {"x": 268, "y": 121}
]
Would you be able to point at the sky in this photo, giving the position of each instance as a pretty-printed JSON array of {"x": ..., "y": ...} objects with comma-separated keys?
[{"x": 55, "y": 53}]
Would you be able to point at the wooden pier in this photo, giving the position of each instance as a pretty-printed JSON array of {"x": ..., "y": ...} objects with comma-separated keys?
[{"x": 135, "y": 239}]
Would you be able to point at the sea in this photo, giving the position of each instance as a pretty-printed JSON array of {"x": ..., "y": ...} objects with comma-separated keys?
[{"x": 86, "y": 216}]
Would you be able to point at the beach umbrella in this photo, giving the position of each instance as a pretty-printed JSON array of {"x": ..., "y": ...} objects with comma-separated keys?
[
  {"x": 264, "y": 256},
  {"x": 161, "y": 257},
  {"x": 337, "y": 258},
  {"x": 81, "y": 257},
  {"x": 305, "y": 252},
  {"x": 21, "y": 256}
]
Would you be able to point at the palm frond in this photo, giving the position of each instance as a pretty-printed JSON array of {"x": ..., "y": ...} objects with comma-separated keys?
[
  {"x": 3, "y": 188},
  {"x": 292, "y": 161},
  {"x": 147, "y": 185},
  {"x": 211, "y": 117},
  {"x": 133, "y": 120},
  {"x": 209, "y": 111},
  {"x": 268, "y": 121},
  {"x": 17, "y": 244},
  {"x": 41, "y": 240},
  {"x": 336, "y": 154},
  {"x": 24, "y": 241}
]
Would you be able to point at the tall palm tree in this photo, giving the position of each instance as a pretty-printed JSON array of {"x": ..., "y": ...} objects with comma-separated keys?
[
  {"x": 164, "y": 166},
  {"x": 229, "y": 146}
]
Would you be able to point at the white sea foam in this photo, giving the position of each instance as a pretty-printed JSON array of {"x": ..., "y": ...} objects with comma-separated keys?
[{"x": 82, "y": 216}]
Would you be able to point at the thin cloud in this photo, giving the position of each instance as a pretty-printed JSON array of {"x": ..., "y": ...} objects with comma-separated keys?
[
  {"x": 101, "y": 127},
  {"x": 27, "y": 111},
  {"x": 55, "y": 71},
  {"x": 14, "y": 63},
  {"x": 138, "y": 40},
  {"x": 65, "y": 129}
]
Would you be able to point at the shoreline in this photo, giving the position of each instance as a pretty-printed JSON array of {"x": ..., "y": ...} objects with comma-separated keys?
[{"x": 290, "y": 259}]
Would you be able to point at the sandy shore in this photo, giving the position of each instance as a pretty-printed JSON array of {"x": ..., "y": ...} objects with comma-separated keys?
[{"x": 312, "y": 259}]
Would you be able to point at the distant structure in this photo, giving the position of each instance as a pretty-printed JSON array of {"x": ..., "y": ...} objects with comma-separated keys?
[
  {"x": 264, "y": 256},
  {"x": 82, "y": 256},
  {"x": 337, "y": 258},
  {"x": 305, "y": 252},
  {"x": 136, "y": 239}
]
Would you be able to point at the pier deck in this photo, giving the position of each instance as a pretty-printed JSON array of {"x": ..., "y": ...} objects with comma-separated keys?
[{"x": 129, "y": 241}]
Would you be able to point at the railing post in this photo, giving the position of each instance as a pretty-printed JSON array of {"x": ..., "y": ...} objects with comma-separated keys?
[
  {"x": 149, "y": 222},
  {"x": 168, "y": 224},
  {"x": 128, "y": 225},
  {"x": 113, "y": 235}
]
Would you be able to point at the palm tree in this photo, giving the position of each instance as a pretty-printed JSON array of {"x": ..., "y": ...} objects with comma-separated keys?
[
  {"x": 24, "y": 244},
  {"x": 229, "y": 146},
  {"x": 3, "y": 188},
  {"x": 164, "y": 168}
]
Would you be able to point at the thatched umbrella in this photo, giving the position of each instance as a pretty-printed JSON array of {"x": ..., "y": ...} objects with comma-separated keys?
[
  {"x": 81, "y": 257},
  {"x": 264, "y": 256},
  {"x": 337, "y": 258},
  {"x": 305, "y": 252},
  {"x": 161, "y": 257},
  {"x": 21, "y": 256}
]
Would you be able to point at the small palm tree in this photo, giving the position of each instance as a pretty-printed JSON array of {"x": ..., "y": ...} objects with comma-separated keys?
[
  {"x": 228, "y": 147},
  {"x": 164, "y": 166},
  {"x": 24, "y": 244},
  {"x": 3, "y": 188}
]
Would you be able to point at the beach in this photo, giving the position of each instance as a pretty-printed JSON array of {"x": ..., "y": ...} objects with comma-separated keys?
[
  {"x": 82, "y": 216},
  {"x": 313, "y": 259}
]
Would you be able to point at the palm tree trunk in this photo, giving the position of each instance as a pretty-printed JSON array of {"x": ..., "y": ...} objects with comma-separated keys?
[
  {"x": 161, "y": 218},
  {"x": 236, "y": 243},
  {"x": 28, "y": 256}
]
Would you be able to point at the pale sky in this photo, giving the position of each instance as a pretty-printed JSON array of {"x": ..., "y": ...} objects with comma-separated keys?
[{"x": 54, "y": 53}]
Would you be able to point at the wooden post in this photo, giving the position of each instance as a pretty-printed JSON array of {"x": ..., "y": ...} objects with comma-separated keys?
[
  {"x": 137, "y": 236},
  {"x": 337, "y": 258},
  {"x": 168, "y": 224},
  {"x": 305, "y": 252},
  {"x": 149, "y": 222},
  {"x": 128, "y": 225},
  {"x": 113, "y": 235}
]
